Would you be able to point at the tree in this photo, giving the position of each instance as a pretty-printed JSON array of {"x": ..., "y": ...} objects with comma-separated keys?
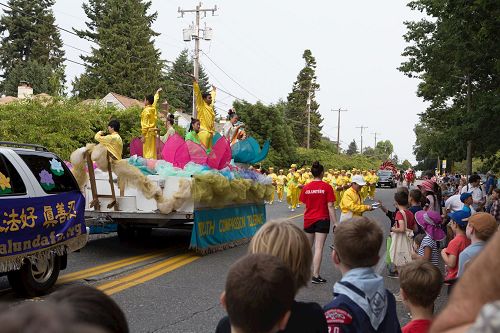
[
  {"x": 455, "y": 55},
  {"x": 384, "y": 149},
  {"x": 126, "y": 60},
  {"x": 31, "y": 48},
  {"x": 297, "y": 104},
  {"x": 369, "y": 151},
  {"x": 268, "y": 122},
  {"x": 352, "y": 149},
  {"x": 179, "y": 90},
  {"x": 406, "y": 165}
]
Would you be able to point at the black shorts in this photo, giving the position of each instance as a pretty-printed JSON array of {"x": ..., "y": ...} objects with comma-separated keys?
[{"x": 321, "y": 226}]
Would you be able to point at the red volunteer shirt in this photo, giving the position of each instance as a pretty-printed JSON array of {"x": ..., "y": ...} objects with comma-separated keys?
[
  {"x": 455, "y": 247},
  {"x": 410, "y": 219},
  {"x": 316, "y": 195},
  {"x": 417, "y": 326}
]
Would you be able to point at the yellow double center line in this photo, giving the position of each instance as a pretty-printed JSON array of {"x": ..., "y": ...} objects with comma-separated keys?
[
  {"x": 101, "y": 269},
  {"x": 148, "y": 274}
]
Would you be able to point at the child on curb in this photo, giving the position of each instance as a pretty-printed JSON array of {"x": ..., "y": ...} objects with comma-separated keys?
[
  {"x": 404, "y": 224},
  {"x": 421, "y": 284},
  {"x": 430, "y": 222},
  {"x": 451, "y": 253},
  {"x": 467, "y": 200},
  {"x": 481, "y": 227},
  {"x": 259, "y": 294},
  {"x": 361, "y": 302}
]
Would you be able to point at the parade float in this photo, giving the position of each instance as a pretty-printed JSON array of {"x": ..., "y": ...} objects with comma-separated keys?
[{"x": 212, "y": 192}]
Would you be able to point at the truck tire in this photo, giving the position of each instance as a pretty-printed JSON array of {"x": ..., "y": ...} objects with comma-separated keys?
[
  {"x": 36, "y": 277},
  {"x": 144, "y": 233},
  {"x": 125, "y": 233}
]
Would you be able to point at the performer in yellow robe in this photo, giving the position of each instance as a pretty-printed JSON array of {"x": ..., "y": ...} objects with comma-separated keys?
[
  {"x": 339, "y": 190},
  {"x": 280, "y": 185},
  {"x": 113, "y": 141},
  {"x": 365, "y": 189},
  {"x": 205, "y": 111},
  {"x": 148, "y": 125},
  {"x": 274, "y": 178},
  {"x": 373, "y": 184},
  {"x": 292, "y": 187}
]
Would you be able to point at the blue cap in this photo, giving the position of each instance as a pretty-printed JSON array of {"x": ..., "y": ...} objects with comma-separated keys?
[
  {"x": 460, "y": 217},
  {"x": 464, "y": 196}
]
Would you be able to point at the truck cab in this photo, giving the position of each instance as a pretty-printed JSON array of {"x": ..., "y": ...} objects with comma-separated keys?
[{"x": 41, "y": 217}]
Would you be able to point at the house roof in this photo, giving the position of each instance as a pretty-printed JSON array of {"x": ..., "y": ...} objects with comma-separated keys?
[
  {"x": 127, "y": 102},
  {"x": 7, "y": 100},
  {"x": 90, "y": 101},
  {"x": 183, "y": 115}
]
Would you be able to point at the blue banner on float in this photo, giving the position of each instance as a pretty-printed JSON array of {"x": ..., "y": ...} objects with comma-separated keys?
[
  {"x": 216, "y": 229},
  {"x": 33, "y": 224}
]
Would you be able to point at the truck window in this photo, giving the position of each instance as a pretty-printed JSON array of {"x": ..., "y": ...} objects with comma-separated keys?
[
  {"x": 11, "y": 182},
  {"x": 51, "y": 173}
]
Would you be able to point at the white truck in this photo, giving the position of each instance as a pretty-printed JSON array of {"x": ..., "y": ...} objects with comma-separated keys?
[{"x": 40, "y": 222}]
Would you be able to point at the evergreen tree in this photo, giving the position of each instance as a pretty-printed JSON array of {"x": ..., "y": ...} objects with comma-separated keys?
[
  {"x": 126, "y": 60},
  {"x": 297, "y": 104},
  {"x": 31, "y": 48},
  {"x": 352, "y": 149},
  {"x": 179, "y": 90}
]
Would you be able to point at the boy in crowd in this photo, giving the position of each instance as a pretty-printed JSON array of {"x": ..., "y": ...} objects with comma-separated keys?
[
  {"x": 479, "y": 230},
  {"x": 450, "y": 254},
  {"x": 421, "y": 284},
  {"x": 361, "y": 302},
  {"x": 466, "y": 199},
  {"x": 259, "y": 294}
]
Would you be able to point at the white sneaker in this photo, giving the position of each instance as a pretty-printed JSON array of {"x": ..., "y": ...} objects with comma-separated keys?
[
  {"x": 289, "y": 207},
  {"x": 292, "y": 210}
]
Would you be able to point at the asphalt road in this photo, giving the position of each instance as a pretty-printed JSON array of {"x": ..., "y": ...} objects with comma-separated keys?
[{"x": 162, "y": 287}]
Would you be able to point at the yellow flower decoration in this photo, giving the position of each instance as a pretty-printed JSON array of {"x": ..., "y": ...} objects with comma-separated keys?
[{"x": 4, "y": 182}]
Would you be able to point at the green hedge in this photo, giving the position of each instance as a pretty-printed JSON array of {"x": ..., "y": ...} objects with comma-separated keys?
[{"x": 64, "y": 125}]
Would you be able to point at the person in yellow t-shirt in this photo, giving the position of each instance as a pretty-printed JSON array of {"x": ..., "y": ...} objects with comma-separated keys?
[
  {"x": 274, "y": 178},
  {"x": 205, "y": 113},
  {"x": 148, "y": 125},
  {"x": 113, "y": 141},
  {"x": 280, "y": 185}
]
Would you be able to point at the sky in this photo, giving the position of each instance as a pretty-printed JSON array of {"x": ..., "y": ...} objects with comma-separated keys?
[{"x": 259, "y": 44}]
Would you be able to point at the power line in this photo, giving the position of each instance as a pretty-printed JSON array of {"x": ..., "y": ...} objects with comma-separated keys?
[
  {"x": 239, "y": 85},
  {"x": 362, "y": 128},
  {"x": 338, "y": 128}
]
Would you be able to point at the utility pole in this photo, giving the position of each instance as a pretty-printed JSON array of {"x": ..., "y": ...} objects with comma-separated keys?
[
  {"x": 362, "y": 128},
  {"x": 309, "y": 119},
  {"x": 469, "y": 142},
  {"x": 375, "y": 134},
  {"x": 308, "y": 109},
  {"x": 338, "y": 128},
  {"x": 193, "y": 32}
]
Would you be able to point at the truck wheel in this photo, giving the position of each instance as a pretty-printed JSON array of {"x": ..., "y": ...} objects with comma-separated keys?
[
  {"x": 36, "y": 276},
  {"x": 125, "y": 233},
  {"x": 144, "y": 233}
]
